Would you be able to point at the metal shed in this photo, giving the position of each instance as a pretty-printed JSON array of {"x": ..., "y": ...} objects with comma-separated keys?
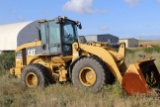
[
  {"x": 13, "y": 35},
  {"x": 102, "y": 38},
  {"x": 83, "y": 39},
  {"x": 130, "y": 42}
]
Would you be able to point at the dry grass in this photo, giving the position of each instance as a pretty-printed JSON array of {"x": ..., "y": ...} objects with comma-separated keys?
[
  {"x": 66, "y": 95},
  {"x": 153, "y": 42}
]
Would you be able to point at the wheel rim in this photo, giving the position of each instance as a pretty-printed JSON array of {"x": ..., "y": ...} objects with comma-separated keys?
[
  {"x": 31, "y": 80},
  {"x": 87, "y": 76}
]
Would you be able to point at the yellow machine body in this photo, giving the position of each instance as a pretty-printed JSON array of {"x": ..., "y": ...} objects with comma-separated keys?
[{"x": 139, "y": 77}]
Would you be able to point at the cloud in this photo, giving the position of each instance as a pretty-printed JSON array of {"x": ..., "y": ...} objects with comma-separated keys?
[
  {"x": 81, "y": 6},
  {"x": 103, "y": 27},
  {"x": 132, "y": 2},
  {"x": 18, "y": 17}
]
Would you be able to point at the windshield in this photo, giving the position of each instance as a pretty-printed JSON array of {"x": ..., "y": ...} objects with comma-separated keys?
[{"x": 69, "y": 32}]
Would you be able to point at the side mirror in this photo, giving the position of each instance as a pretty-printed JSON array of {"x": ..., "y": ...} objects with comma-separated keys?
[{"x": 79, "y": 25}]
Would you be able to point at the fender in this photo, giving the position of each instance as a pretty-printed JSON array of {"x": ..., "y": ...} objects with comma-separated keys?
[{"x": 105, "y": 56}]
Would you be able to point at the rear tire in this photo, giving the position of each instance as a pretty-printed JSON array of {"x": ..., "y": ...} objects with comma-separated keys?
[
  {"x": 88, "y": 73},
  {"x": 34, "y": 75}
]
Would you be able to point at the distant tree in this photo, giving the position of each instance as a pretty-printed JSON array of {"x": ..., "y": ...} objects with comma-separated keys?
[{"x": 6, "y": 60}]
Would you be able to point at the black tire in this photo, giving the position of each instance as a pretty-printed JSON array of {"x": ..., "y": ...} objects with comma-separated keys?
[
  {"x": 110, "y": 79},
  {"x": 97, "y": 68},
  {"x": 34, "y": 71}
]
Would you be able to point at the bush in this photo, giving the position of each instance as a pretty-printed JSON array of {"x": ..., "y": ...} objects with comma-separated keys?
[
  {"x": 152, "y": 49},
  {"x": 129, "y": 51},
  {"x": 6, "y": 60}
]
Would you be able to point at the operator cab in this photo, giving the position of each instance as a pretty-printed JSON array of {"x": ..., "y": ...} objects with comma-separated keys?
[{"x": 58, "y": 35}]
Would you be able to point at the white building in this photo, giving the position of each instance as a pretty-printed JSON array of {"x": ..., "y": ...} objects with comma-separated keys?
[
  {"x": 130, "y": 42},
  {"x": 12, "y": 35}
]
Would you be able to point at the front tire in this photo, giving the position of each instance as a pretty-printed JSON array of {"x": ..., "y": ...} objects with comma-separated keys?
[
  {"x": 34, "y": 75},
  {"x": 88, "y": 73}
]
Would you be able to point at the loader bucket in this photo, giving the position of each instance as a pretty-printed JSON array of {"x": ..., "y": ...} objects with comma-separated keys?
[{"x": 141, "y": 77}]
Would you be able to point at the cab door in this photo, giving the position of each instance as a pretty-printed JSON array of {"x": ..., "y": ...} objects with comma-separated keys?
[
  {"x": 51, "y": 40},
  {"x": 54, "y": 38}
]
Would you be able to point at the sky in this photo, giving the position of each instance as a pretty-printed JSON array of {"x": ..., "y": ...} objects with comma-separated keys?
[{"x": 123, "y": 18}]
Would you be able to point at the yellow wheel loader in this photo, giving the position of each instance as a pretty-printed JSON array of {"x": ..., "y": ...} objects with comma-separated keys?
[{"x": 56, "y": 55}]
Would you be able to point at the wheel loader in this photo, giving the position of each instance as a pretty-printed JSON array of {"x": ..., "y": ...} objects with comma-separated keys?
[{"x": 56, "y": 55}]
